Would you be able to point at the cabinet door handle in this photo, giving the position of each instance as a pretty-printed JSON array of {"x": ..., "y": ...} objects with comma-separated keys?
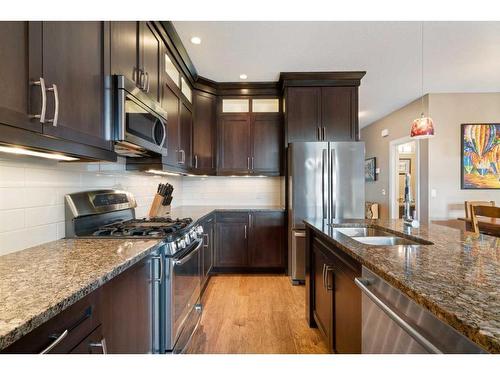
[
  {"x": 318, "y": 133},
  {"x": 160, "y": 278},
  {"x": 183, "y": 157},
  {"x": 56, "y": 342},
  {"x": 248, "y": 162},
  {"x": 249, "y": 220},
  {"x": 101, "y": 344},
  {"x": 324, "y": 268},
  {"x": 245, "y": 231},
  {"x": 196, "y": 161},
  {"x": 146, "y": 74},
  {"x": 205, "y": 236},
  {"x": 327, "y": 271},
  {"x": 56, "y": 104},
  {"x": 41, "y": 83},
  {"x": 324, "y": 133},
  {"x": 252, "y": 162},
  {"x": 140, "y": 82}
]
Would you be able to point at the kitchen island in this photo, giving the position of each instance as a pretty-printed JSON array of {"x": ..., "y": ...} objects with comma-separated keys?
[{"x": 452, "y": 274}]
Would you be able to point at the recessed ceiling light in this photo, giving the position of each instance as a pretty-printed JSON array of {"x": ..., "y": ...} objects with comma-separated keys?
[
  {"x": 196, "y": 40},
  {"x": 243, "y": 76},
  {"x": 46, "y": 155}
]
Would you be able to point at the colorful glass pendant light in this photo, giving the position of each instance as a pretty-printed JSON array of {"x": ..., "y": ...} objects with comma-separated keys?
[{"x": 422, "y": 127}]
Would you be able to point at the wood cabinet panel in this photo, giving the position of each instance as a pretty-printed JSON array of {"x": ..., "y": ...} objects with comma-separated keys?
[
  {"x": 303, "y": 113},
  {"x": 127, "y": 315},
  {"x": 267, "y": 143},
  {"x": 322, "y": 294},
  {"x": 232, "y": 240},
  {"x": 150, "y": 58},
  {"x": 73, "y": 60},
  {"x": 266, "y": 243},
  {"x": 124, "y": 48},
  {"x": 20, "y": 63},
  {"x": 234, "y": 143},
  {"x": 185, "y": 136},
  {"x": 204, "y": 126},
  {"x": 170, "y": 102},
  {"x": 337, "y": 113}
]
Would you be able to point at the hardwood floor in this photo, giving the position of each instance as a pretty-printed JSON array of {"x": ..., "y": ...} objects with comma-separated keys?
[{"x": 262, "y": 314}]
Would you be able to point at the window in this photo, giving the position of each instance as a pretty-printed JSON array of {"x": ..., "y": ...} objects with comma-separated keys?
[
  {"x": 265, "y": 105},
  {"x": 171, "y": 70},
  {"x": 186, "y": 90},
  {"x": 235, "y": 105}
]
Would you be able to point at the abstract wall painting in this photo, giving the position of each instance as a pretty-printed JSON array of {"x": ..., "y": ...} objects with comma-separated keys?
[{"x": 480, "y": 162}]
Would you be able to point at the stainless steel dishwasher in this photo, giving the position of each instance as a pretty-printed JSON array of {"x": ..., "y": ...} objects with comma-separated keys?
[{"x": 393, "y": 324}]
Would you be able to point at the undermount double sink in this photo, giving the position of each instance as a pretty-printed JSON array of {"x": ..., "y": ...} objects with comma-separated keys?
[{"x": 378, "y": 237}]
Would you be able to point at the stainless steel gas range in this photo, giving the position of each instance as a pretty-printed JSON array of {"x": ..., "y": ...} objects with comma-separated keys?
[{"x": 175, "y": 286}]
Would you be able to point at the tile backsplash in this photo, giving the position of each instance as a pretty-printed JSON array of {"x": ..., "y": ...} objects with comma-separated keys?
[{"x": 32, "y": 194}]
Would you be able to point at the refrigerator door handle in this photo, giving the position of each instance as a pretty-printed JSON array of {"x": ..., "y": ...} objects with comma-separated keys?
[
  {"x": 333, "y": 183},
  {"x": 324, "y": 183}
]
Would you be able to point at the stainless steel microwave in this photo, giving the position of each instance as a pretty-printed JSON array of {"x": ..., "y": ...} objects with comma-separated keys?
[{"x": 140, "y": 123}]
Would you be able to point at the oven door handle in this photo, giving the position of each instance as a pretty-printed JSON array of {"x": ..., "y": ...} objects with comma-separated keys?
[{"x": 181, "y": 261}]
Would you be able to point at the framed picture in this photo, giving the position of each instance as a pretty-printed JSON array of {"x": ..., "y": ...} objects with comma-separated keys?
[
  {"x": 404, "y": 166},
  {"x": 370, "y": 166},
  {"x": 480, "y": 156}
]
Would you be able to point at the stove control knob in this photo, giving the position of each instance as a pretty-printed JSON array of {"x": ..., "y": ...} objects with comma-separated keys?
[
  {"x": 181, "y": 244},
  {"x": 173, "y": 245},
  {"x": 199, "y": 229}
]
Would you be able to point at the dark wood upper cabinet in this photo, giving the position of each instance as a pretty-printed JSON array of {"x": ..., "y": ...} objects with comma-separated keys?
[
  {"x": 267, "y": 135},
  {"x": 135, "y": 54},
  {"x": 20, "y": 65},
  {"x": 339, "y": 113},
  {"x": 232, "y": 240},
  {"x": 185, "y": 136},
  {"x": 234, "y": 143},
  {"x": 149, "y": 62},
  {"x": 303, "y": 114},
  {"x": 124, "y": 49},
  {"x": 73, "y": 62},
  {"x": 266, "y": 244},
  {"x": 171, "y": 102},
  {"x": 204, "y": 128}
]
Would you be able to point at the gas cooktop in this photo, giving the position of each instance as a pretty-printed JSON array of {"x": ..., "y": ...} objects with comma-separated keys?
[{"x": 153, "y": 227}]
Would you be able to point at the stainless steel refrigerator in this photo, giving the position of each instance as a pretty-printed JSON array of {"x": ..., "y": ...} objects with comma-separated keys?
[{"x": 325, "y": 180}]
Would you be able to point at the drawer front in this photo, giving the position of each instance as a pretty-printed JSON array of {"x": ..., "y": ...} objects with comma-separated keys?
[
  {"x": 95, "y": 343},
  {"x": 64, "y": 331},
  {"x": 233, "y": 217}
]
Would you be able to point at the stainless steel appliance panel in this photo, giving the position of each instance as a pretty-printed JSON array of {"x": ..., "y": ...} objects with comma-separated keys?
[
  {"x": 306, "y": 181},
  {"x": 394, "y": 324},
  {"x": 346, "y": 179}
]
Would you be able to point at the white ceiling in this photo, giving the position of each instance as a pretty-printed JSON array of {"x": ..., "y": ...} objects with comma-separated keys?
[{"x": 459, "y": 56}]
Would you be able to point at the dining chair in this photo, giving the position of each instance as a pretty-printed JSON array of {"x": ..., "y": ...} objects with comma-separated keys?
[
  {"x": 469, "y": 204},
  {"x": 483, "y": 211}
]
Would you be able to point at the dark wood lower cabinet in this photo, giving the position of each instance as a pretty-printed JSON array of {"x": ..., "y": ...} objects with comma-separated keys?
[
  {"x": 115, "y": 318},
  {"x": 127, "y": 310},
  {"x": 249, "y": 241},
  {"x": 333, "y": 301}
]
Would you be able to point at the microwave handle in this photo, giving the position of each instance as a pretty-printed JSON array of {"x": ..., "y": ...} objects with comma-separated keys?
[{"x": 164, "y": 132}]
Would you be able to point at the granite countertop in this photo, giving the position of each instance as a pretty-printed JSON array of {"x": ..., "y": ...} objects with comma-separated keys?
[
  {"x": 457, "y": 278},
  {"x": 38, "y": 283},
  {"x": 199, "y": 212}
]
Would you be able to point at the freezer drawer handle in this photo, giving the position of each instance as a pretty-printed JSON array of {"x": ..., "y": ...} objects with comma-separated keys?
[
  {"x": 299, "y": 234},
  {"x": 363, "y": 285},
  {"x": 101, "y": 344}
]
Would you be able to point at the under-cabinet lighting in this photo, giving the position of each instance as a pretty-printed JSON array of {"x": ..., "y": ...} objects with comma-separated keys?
[
  {"x": 243, "y": 76},
  {"x": 46, "y": 155},
  {"x": 196, "y": 40},
  {"x": 163, "y": 173}
]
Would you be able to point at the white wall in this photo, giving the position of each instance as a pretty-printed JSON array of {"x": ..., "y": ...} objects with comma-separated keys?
[
  {"x": 32, "y": 194},
  {"x": 449, "y": 111}
]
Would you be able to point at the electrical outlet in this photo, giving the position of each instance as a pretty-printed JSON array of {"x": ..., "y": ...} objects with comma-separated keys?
[
  {"x": 383, "y": 191},
  {"x": 384, "y": 133},
  {"x": 434, "y": 193}
]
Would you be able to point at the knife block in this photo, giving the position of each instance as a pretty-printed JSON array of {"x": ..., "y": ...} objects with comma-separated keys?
[{"x": 157, "y": 209}]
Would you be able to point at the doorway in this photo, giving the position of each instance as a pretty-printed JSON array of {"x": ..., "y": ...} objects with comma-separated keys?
[{"x": 404, "y": 160}]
